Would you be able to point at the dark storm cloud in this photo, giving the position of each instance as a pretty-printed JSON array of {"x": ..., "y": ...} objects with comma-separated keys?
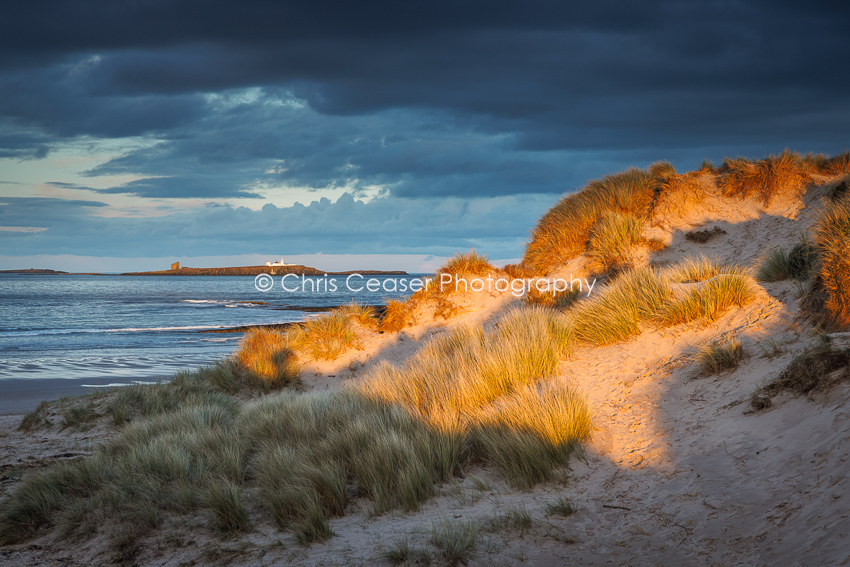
[{"x": 426, "y": 99}]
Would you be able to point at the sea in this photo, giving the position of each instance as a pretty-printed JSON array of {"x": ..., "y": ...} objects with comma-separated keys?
[{"x": 110, "y": 330}]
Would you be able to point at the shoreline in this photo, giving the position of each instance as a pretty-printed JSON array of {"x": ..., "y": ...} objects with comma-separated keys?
[{"x": 22, "y": 395}]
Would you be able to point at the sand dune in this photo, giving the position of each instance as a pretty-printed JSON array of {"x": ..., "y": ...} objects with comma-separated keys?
[{"x": 680, "y": 470}]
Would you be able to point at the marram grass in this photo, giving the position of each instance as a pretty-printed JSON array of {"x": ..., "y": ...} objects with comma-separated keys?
[{"x": 470, "y": 396}]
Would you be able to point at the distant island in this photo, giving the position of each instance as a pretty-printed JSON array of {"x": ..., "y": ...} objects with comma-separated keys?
[
  {"x": 35, "y": 271},
  {"x": 274, "y": 270}
]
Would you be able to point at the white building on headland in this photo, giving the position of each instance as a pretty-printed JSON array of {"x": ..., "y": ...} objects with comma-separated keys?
[{"x": 279, "y": 263}]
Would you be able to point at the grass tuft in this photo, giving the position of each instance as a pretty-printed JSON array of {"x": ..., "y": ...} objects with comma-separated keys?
[
  {"x": 817, "y": 367},
  {"x": 693, "y": 269},
  {"x": 266, "y": 356},
  {"x": 831, "y": 232},
  {"x": 612, "y": 240},
  {"x": 324, "y": 337},
  {"x": 562, "y": 233},
  {"x": 456, "y": 541},
  {"x": 364, "y": 315},
  {"x": 36, "y": 419},
  {"x": 397, "y": 316},
  {"x": 224, "y": 501},
  {"x": 470, "y": 263},
  {"x": 615, "y": 314},
  {"x": 796, "y": 264},
  {"x": 764, "y": 179},
  {"x": 512, "y": 519},
  {"x": 709, "y": 299},
  {"x": 714, "y": 357},
  {"x": 560, "y": 507}
]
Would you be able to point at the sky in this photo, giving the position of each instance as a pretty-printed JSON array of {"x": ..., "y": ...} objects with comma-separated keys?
[{"x": 376, "y": 134}]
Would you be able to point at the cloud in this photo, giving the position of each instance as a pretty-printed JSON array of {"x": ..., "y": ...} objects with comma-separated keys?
[
  {"x": 444, "y": 111},
  {"x": 497, "y": 226}
]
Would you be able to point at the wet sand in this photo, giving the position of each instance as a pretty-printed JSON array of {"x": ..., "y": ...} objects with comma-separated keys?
[{"x": 21, "y": 396}]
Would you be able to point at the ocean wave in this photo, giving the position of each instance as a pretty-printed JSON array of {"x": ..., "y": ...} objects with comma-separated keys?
[
  {"x": 119, "y": 384},
  {"x": 39, "y": 332}
]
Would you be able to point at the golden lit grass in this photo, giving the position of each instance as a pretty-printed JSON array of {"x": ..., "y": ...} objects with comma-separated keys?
[
  {"x": 364, "y": 315},
  {"x": 714, "y": 357},
  {"x": 324, "y": 337},
  {"x": 612, "y": 240},
  {"x": 679, "y": 195},
  {"x": 616, "y": 313},
  {"x": 708, "y": 300},
  {"x": 765, "y": 178},
  {"x": 267, "y": 355},
  {"x": 555, "y": 299},
  {"x": 469, "y": 263},
  {"x": 662, "y": 170},
  {"x": 645, "y": 296},
  {"x": 398, "y": 315},
  {"x": 700, "y": 268},
  {"x": 838, "y": 164},
  {"x": 467, "y": 397},
  {"x": 518, "y": 272},
  {"x": 455, "y": 375},
  {"x": 538, "y": 425},
  {"x": 831, "y": 233},
  {"x": 562, "y": 233}
]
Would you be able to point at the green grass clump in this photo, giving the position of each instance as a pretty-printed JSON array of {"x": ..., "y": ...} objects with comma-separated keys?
[
  {"x": 529, "y": 434},
  {"x": 225, "y": 502},
  {"x": 36, "y": 419},
  {"x": 709, "y": 299},
  {"x": 79, "y": 417},
  {"x": 555, "y": 299},
  {"x": 470, "y": 396},
  {"x": 456, "y": 541},
  {"x": 616, "y": 314},
  {"x": 560, "y": 507},
  {"x": 796, "y": 264},
  {"x": 513, "y": 519},
  {"x": 714, "y": 357}
]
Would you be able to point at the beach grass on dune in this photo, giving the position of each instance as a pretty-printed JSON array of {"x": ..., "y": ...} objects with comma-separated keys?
[
  {"x": 612, "y": 239},
  {"x": 797, "y": 263},
  {"x": 831, "y": 284},
  {"x": 472, "y": 396},
  {"x": 766, "y": 178},
  {"x": 694, "y": 269},
  {"x": 562, "y": 232},
  {"x": 616, "y": 313},
  {"x": 709, "y": 299},
  {"x": 713, "y": 357}
]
